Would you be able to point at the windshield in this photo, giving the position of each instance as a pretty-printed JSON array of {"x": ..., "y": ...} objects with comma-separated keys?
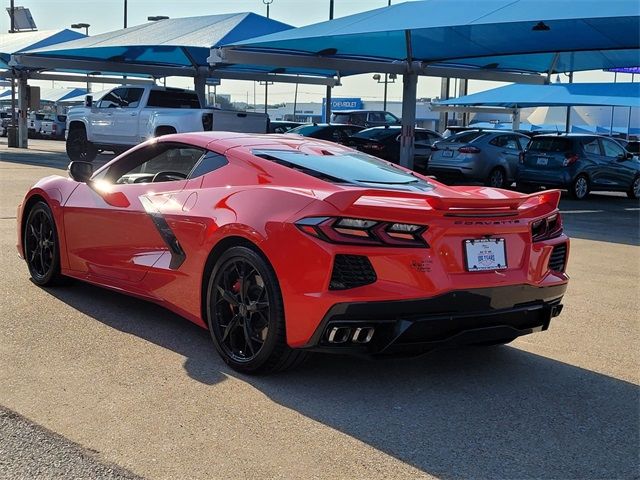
[
  {"x": 550, "y": 144},
  {"x": 377, "y": 133},
  {"x": 350, "y": 168},
  {"x": 464, "y": 137},
  {"x": 305, "y": 130}
]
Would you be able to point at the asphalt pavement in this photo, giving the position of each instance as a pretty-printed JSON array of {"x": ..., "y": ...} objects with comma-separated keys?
[{"x": 124, "y": 387}]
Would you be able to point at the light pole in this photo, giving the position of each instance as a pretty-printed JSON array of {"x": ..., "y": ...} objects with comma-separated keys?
[
  {"x": 388, "y": 78},
  {"x": 86, "y": 32},
  {"x": 266, "y": 83}
]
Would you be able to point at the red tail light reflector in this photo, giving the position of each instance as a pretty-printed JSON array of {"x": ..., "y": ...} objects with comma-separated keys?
[
  {"x": 570, "y": 159},
  {"x": 469, "y": 150},
  {"x": 356, "y": 231}
]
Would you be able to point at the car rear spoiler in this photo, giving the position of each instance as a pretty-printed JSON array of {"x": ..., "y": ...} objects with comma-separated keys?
[{"x": 346, "y": 198}]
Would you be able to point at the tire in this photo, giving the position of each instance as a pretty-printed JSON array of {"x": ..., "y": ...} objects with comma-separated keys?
[
  {"x": 497, "y": 178},
  {"x": 160, "y": 131},
  {"x": 580, "y": 187},
  {"x": 41, "y": 246},
  {"x": 78, "y": 147},
  {"x": 246, "y": 317},
  {"x": 634, "y": 189}
]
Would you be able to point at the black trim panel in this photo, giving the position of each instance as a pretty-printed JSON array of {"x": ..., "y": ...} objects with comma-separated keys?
[{"x": 178, "y": 255}]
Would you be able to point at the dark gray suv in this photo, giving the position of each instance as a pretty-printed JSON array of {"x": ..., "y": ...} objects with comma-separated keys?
[{"x": 580, "y": 164}]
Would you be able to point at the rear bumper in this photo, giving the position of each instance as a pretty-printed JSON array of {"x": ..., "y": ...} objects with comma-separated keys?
[
  {"x": 555, "y": 178},
  {"x": 467, "y": 169},
  {"x": 456, "y": 318}
]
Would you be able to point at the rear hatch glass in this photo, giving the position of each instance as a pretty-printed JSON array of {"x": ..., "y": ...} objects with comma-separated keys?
[{"x": 548, "y": 152}]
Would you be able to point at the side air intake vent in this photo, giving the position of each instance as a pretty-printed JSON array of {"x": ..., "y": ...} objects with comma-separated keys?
[
  {"x": 558, "y": 259},
  {"x": 351, "y": 271}
]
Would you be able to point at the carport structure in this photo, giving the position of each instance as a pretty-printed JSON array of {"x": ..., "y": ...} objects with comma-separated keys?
[
  {"x": 170, "y": 47},
  {"x": 516, "y": 96},
  {"x": 522, "y": 41}
]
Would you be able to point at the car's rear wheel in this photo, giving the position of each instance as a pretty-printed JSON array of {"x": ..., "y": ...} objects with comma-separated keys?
[
  {"x": 634, "y": 189},
  {"x": 579, "y": 188},
  {"x": 41, "y": 249},
  {"x": 78, "y": 147},
  {"x": 245, "y": 314},
  {"x": 497, "y": 178}
]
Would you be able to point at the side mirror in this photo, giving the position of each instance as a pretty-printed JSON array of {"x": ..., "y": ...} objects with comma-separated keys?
[
  {"x": 80, "y": 171},
  {"x": 88, "y": 101}
]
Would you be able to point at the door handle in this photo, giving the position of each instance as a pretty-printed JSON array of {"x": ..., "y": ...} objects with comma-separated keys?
[{"x": 133, "y": 114}]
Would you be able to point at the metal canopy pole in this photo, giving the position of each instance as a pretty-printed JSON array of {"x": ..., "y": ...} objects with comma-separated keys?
[
  {"x": 200, "y": 86},
  {"x": 409, "y": 92},
  {"x": 444, "y": 95},
  {"x": 327, "y": 107},
  {"x": 23, "y": 107}
]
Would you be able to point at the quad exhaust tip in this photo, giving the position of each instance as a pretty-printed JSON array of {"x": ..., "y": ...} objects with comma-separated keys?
[{"x": 360, "y": 335}]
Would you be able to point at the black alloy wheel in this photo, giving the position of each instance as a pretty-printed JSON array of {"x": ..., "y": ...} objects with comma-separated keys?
[
  {"x": 78, "y": 147},
  {"x": 41, "y": 246},
  {"x": 496, "y": 178},
  {"x": 245, "y": 314}
]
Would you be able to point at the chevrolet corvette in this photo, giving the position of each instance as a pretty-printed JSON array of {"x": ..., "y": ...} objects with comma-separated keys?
[{"x": 281, "y": 245}]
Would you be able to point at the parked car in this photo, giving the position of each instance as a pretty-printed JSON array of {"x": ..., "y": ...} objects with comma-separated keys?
[
  {"x": 489, "y": 156},
  {"x": 34, "y": 127},
  {"x": 327, "y": 131},
  {"x": 365, "y": 118},
  {"x": 5, "y": 120},
  {"x": 128, "y": 115},
  {"x": 579, "y": 163},
  {"x": 280, "y": 126},
  {"x": 54, "y": 126},
  {"x": 384, "y": 142},
  {"x": 283, "y": 245}
]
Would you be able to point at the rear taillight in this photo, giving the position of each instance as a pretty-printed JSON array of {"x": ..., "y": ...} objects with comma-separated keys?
[
  {"x": 356, "y": 231},
  {"x": 469, "y": 150},
  {"x": 570, "y": 159},
  {"x": 546, "y": 228}
]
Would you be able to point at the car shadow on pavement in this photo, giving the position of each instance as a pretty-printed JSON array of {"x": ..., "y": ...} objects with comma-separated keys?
[
  {"x": 603, "y": 217},
  {"x": 477, "y": 413}
]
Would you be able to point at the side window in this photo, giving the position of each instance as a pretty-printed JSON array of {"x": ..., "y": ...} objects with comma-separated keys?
[
  {"x": 390, "y": 118},
  {"x": 591, "y": 146},
  {"x": 421, "y": 138},
  {"x": 499, "y": 141},
  {"x": 611, "y": 148},
  {"x": 377, "y": 117},
  {"x": 132, "y": 97},
  {"x": 523, "y": 141},
  {"x": 208, "y": 163},
  {"x": 511, "y": 143},
  {"x": 176, "y": 162},
  {"x": 113, "y": 99}
]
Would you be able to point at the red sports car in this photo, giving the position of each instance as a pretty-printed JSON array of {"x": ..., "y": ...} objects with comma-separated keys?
[{"x": 281, "y": 245}]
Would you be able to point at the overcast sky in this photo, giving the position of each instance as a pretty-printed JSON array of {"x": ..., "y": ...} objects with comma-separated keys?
[{"x": 107, "y": 15}]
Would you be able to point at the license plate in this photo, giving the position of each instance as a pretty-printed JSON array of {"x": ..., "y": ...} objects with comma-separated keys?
[
  {"x": 485, "y": 254},
  {"x": 447, "y": 153},
  {"x": 543, "y": 161}
]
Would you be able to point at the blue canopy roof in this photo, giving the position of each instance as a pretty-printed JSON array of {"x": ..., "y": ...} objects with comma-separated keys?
[
  {"x": 517, "y": 35},
  {"x": 11, "y": 43},
  {"x": 554, "y": 95},
  {"x": 177, "y": 42}
]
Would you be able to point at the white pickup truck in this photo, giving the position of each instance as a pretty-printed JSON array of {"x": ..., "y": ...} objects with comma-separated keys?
[{"x": 130, "y": 114}]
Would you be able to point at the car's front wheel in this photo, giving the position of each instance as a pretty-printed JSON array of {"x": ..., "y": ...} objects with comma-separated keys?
[
  {"x": 41, "y": 248},
  {"x": 245, "y": 314},
  {"x": 579, "y": 188},
  {"x": 634, "y": 189}
]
